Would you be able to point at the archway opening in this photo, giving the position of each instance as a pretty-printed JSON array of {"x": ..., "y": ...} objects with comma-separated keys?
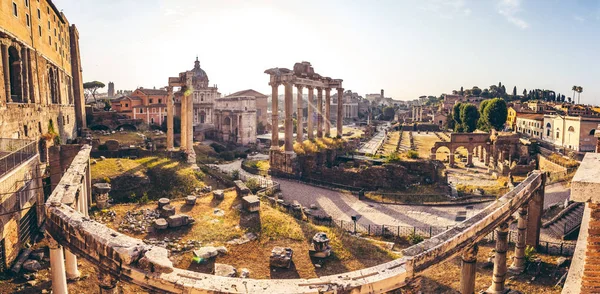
[{"x": 14, "y": 69}]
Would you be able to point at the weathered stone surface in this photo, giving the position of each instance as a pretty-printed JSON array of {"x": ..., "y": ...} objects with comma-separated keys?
[
  {"x": 37, "y": 255},
  {"x": 179, "y": 220},
  {"x": 16, "y": 268},
  {"x": 167, "y": 210},
  {"x": 251, "y": 203},
  {"x": 241, "y": 188},
  {"x": 101, "y": 188},
  {"x": 206, "y": 252},
  {"x": 32, "y": 265},
  {"x": 190, "y": 200},
  {"x": 222, "y": 249},
  {"x": 218, "y": 195},
  {"x": 320, "y": 244},
  {"x": 163, "y": 201},
  {"x": 225, "y": 270},
  {"x": 156, "y": 259},
  {"x": 244, "y": 273},
  {"x": 160, "y": 224},
  {"x": 112, "y": 145},
  {"x": 281, "y": 257}
]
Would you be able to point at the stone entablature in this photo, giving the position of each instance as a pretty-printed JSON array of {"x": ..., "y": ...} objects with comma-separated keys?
[{"x": 122, "y": 257}]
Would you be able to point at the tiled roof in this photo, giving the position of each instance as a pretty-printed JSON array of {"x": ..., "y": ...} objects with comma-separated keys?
[
  {"x": 126, "y": 97},
  {"x": 535, "y": 116},
  {"x": 153, "y": 91},
  {"x": 248, "y": 92}
]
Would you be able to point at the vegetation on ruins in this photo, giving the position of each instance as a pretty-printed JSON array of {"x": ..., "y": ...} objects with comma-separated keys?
[
  {"x": 319, "y": 144},
  {"x": 493, "y": 113}
]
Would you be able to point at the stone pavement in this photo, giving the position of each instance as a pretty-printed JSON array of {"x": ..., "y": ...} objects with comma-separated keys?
[
  {"x": 342, "y": 205},
  {"x": 373, "y": 145}
]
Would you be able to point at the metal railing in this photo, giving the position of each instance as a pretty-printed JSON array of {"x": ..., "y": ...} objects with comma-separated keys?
[{"x": 13, "y": 152}]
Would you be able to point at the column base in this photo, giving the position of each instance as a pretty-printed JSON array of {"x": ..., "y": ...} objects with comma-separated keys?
[
  {"x": 516, "y": 270},
  {"x": 274, "y": 148},
  {"x": 491, "y": 291},
  {"x": 74, "y": 277}
]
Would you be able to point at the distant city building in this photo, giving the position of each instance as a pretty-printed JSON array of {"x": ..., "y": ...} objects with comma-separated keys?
[
  {"x": 111, "y": 90},
  {"x": 529, "y": 124},
  {"x": 235, "y": 119},
  {"x": 146, "y": 104},
  {"x": 262, "y": 116},
  {"x": 573, "y": 132}
]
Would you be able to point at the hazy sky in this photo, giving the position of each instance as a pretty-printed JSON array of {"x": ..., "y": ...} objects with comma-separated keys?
[{"x": 409, "y": 48}]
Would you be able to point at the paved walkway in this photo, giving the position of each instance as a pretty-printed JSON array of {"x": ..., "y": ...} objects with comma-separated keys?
[
  {"x": 342, "y": 206},
  {"x": 373, "y": 145}
]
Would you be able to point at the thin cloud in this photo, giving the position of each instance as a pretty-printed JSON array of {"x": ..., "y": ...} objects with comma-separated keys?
[
  {"x": 447, "y": 8},
  {"x": 509, "y": 9},
  {"x": 579, "y": 18}
]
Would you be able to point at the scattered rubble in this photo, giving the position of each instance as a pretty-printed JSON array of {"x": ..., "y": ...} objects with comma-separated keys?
[
  {"x": 138, "y": 221},
  {"x": 225, "y": 270},
  {"x": 243, "y": 239},
  {"x": 320, "y": 246},
  {"x": 244, "y": 273},
  {"x": 32, "y": 265},
  {"x": 175, "y": 245}
]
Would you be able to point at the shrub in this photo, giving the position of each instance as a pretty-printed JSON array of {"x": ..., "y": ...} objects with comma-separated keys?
[
  {"x": 218, "y": 147},
  {"x": 253, "y": 185},
  {"x": 530, "y": 253},
  {"x": 235, "y": 174},
  {"x": 227, "y": 155},
  {"x": 393, "y": 157},
  {"x": 412, "y": 154},
  {"x": 144, "y": 199},
  {"x": 415, "y": 238}
]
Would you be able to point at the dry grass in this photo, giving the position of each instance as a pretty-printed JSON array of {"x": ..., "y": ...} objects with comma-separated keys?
[
  {"x": 274, "y": 228},
  {"x": 128, "y": 138},
  {"x": 424, "y": 143},
  {"x": 445, "y": 277},
  {"x": 390, "y": 145}
]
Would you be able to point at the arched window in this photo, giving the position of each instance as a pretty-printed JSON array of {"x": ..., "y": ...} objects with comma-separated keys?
[
  {"x": 571, "y": 129},
  {"x": 592, "y": 132}
]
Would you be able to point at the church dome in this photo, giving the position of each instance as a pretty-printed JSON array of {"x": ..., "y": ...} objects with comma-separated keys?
[{"x": 200, "y": 78}]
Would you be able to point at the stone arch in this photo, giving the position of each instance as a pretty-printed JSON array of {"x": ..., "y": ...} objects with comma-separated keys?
[
  {"x": 127, "y": 127},
  {"x": 15, "y": 75},
  {"x": 571, "y": 129},
  {"x": 592, "y": 132},
  {"x": 99, "y": 127}
]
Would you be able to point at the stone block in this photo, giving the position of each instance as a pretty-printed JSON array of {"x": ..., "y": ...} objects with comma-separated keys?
[
  {"x": 167, "y": 211},
  {"x": 112, "y": 145},
  {"x": 162, "y": 202},
  {"x": 251, "y": 203},
  {"x": 156, "y": 260},
  {"x": 225, "y": 270},
  {"x": 281, "y": 257},
  {"x": 241, "y": 188},
  {"x": 190, "y": 200},
  {"x": 244, "y": 273},
  {"x": 160, "y": 224},
  {"x": 218, "y": 195},
  {"x": 179, "y": 220},
  {"x": 101, "y": 188},
  {"x": 206, "y": 252},
  {"x": 32, "y": 265}
]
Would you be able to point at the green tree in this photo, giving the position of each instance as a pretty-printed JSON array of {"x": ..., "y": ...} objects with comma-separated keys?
[
  {"x": 482, "y": 123},
  {"x": 469, "y": 115},
  {"x": 495, "y": 113},
  {"x": 91, "y": 88},
  {"x": 575, "y": 89},
  {"x": 476, "y": 91},
  {"x": 388, "y": 113},
  {"x": 579, "y": 91},
  {"x": 515, "y": 92},
  {"x": 176, "y": 125},
  {"x": 462, "y": 92},
  {"x": 458, "y": 127}
]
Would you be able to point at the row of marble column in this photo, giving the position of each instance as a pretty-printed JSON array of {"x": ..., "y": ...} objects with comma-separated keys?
[
  {"x": 323, "y": 123},
  {"x": 417, "y": 113},
  {"x": 469, "y": 258},
  {"x": 63, "y": 263}
]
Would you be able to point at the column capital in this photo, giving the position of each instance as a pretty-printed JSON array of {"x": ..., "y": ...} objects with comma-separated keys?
[
  {"x": 310, "y": 88},
  {"x": 340, "y": 89},
  {"x": 275, "y": 84},
  {"x": 5, "y": 41},
  {"x": 300, "y": 87},
  {"x": 503, "y": 227},
  {"x": 470, "y": 254},
  {"x": 327, "y": 90},
  {"x": 319, "y": 89},
  {"x": 52, "y": 244}
]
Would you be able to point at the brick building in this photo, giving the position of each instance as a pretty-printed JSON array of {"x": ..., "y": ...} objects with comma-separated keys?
[
  {"x": 149, "y": 105},
  {"x": 41, "y": 104}
]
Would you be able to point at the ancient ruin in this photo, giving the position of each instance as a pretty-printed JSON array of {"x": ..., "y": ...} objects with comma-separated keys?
[{"x": 302, "y": 76}]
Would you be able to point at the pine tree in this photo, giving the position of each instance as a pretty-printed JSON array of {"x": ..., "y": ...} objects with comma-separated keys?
[{"x": 515, "y": 91}]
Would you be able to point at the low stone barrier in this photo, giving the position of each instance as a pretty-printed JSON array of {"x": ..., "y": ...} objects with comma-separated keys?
[{"x": 129, "y": 259}]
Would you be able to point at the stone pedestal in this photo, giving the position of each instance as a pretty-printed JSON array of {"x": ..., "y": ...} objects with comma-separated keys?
[
  {"x": 251, "y": 203},
  {"x": 241, "y": 188},
  {"x": 101, "y": 191},
  {"x": 320, "y": 246},
  {"x": 218, "y": 195},
  {"x": 167, "y": 210},
  {"x": 190, "y": 200},
  {"x": 162, "y": 202},
  {"x": 281, "y": 257}
]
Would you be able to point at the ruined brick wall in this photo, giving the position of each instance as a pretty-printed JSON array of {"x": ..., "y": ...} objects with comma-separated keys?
[
  {"x": 26, "y": 178},
  {"x": 549, "y": 166}
]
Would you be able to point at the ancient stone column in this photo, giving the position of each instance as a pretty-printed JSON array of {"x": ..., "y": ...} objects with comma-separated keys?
[
  {"x": 311, "y": 110},
  {"x": 184, "y": 114},
  {"x": 327, "y": 112},
  {"x": 468, "y": 270},
  {"x": 24, "y": 77},
  {"x": 469, "y": 158},
  {"x": 57, "y": 267},
  {"x": 170, "y": 145},
  {"x": 108, "y": 285},
  {"x": 499, "y": 275},
  {"x": 274, "y": 116},
  {"x": 299, "y": 116},
  {"x": 289, "y": 108},
  {"x": 5, "y": 67},
  {"x": 451, "y": 158},
  {"x": 71, "y": 265},
  {"x": 535, "y": 209},
  {"x": 190, "y": 122},
  {"x": 340, "y": 112},
  {"x": 518, "y": 264},
  {"x": 319, "y": 112}
]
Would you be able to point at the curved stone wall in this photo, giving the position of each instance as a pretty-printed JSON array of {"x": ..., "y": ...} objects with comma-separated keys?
[{"x": 131, "y": 260}]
